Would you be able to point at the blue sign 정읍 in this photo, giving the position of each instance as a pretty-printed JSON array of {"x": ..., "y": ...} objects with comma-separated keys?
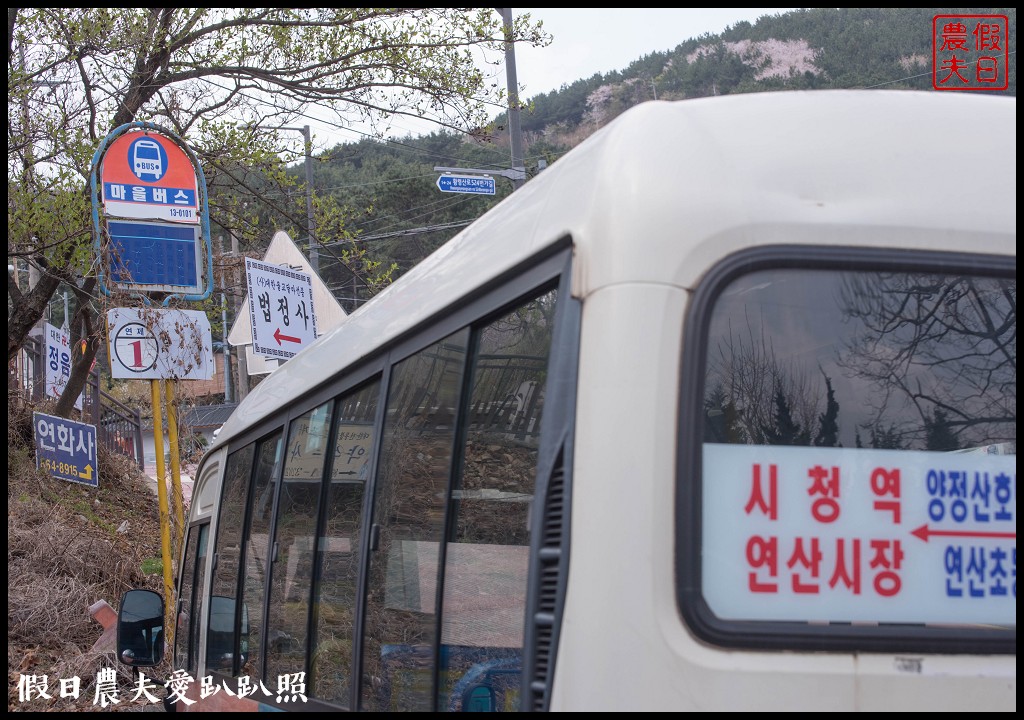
[
  {"x": 66, "y": 449},
  {"x": 474, "y": 184}
]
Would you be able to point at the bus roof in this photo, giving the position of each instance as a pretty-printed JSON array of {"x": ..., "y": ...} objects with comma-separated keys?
[{"x": 667, "y": 188}]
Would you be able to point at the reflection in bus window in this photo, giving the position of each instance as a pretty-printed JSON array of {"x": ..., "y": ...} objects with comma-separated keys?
[
  {"x": 193, "y": 576},
  {"x": 860, "y": 359},
  {"x": 228, "y": 550},
  {"x": 222, "y": 635},
  {"x": 294, "y": 543},
  {"x": 485, "y": 570},
  {"x": 339, "y": 550},
  {"x": 257, "y": 549},
  {"x": 416, "y": 455}
]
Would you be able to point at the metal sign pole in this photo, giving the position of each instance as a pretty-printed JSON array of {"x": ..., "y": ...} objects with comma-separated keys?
[
  {"x": 172, "y": 435},
  {"x": 165, "y": 520}
]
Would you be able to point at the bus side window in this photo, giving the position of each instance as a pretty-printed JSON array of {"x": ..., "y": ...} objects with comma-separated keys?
[
  {"x": 186, "y": 635},
  {"x": 339, "y": 549},
  {"x": 220, "y": 656},
  {"x": 409, "y": 503},
  {"x": 257, "y": 549},
  {"x": 485, "y": 572},
  {"x": 294, "y": 542}
]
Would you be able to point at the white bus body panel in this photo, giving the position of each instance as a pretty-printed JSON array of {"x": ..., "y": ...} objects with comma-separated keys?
[{"x": 624, "y": 649}]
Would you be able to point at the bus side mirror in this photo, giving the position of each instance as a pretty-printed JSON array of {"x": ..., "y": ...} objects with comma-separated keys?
[{"x": 140, "y": 629}]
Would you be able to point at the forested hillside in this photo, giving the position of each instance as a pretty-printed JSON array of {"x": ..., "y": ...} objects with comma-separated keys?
[{"x": 399, "y": 216}]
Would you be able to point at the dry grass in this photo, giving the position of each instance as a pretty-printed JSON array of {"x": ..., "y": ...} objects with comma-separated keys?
[{"x": 64, "y": 553}]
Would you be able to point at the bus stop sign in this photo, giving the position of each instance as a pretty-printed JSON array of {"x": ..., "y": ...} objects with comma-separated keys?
[{"x": 152, "y": 204}]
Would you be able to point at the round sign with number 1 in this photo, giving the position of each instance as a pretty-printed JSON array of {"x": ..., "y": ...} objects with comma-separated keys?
[{"x": 135, "y": 348}]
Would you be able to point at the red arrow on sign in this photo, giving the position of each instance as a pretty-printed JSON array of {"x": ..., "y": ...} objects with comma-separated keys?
[
  {"x": 279, "y": 337},
  {"x": 924, "y": 533}
]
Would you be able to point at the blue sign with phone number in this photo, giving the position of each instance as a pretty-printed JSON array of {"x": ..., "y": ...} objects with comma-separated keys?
[{"x": 66, "y": 449}]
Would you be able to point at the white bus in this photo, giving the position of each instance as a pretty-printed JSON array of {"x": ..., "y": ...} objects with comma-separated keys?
[{"x": 716, "y": 413}]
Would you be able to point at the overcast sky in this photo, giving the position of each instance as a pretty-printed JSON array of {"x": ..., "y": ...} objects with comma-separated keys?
[
  {"x": 585, "y": 41},
  {"x": 600, "y": 40}
]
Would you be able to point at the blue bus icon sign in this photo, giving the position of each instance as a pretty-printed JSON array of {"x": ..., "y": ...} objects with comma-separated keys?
[{"x": 147, "y": 160}]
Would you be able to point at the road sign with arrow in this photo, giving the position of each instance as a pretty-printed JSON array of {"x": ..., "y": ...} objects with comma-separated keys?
[
  {"x": 66, "y": 449},
  {"x": 281, "y": 308},
  {"x": 472, "y": 184}
]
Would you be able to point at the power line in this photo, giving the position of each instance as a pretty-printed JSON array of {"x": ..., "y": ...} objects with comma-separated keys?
[
  {"x": 336, "y": 126},
  {"x": 446, "y": 203},
  {"x": 913, "y": 77},
  {"x": 410, "y": 231}
]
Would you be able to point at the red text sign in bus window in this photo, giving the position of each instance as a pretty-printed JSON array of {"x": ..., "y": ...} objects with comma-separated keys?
[
  {"x": 859, "y": 535},
  {"x": 970, "y": 52}
]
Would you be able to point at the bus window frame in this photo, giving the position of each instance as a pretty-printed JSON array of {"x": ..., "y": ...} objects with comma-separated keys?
[
  {"x": 776, "y": 635},
  {"x": 197, "y": 594},
  {"x": 214, "y": 559}
]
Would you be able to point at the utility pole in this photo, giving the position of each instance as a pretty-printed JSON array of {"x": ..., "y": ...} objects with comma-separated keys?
[
  {"x": 236, "y": 280},
  {"x": 228, "y": 385},
  {"x": 314, "y": 252},
  {"x": 514, "y": 128},
  {"x": 227, "y": 348},
  {"x": 517, "y": 173}
]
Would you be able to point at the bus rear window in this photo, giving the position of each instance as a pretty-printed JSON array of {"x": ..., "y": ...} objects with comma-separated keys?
[{"x": 858, "y": 458}]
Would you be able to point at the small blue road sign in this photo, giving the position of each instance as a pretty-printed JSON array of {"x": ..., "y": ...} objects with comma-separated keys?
[
  {"x": 474, "y": 184},
  {"x": 66, "y": 449}
]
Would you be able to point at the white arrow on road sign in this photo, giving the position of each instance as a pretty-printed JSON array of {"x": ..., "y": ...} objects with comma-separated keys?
[{"x": 473, "y": 184}]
